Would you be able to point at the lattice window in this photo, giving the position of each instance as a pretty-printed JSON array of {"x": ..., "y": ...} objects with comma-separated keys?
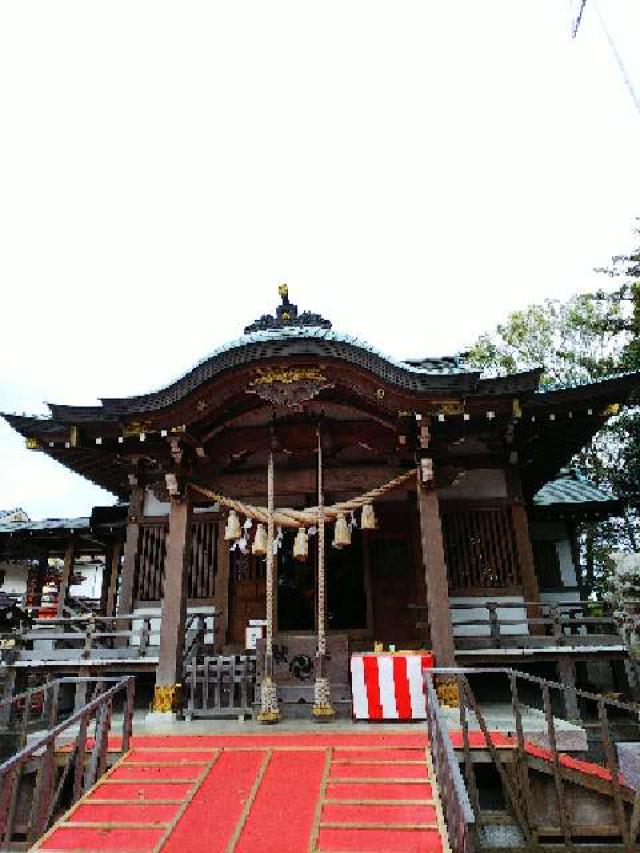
[{"x": 480, "y": 548}]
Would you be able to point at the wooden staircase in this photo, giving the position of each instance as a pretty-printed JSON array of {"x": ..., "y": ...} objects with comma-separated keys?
[{"x": 306, "y": 793}]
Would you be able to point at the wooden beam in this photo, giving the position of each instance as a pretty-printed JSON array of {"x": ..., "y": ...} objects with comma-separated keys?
[
  {"x": 125, "y": 599},
  {"x": 67, "y": 569},
  {"x": 174, "y": 602},
  {"x": 352, "y": 480},
  {"x": 435, "y": 574},
  {"x": 112, "y": 555}
]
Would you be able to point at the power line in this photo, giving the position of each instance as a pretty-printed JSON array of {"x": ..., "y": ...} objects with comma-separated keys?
[
  {"x": 617, "y": 57},
  {"x": 578, "y": 19}
]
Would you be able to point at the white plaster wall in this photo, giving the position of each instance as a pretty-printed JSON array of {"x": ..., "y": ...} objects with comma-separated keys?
[
  {"x": 15, "y": 579},
  {"x": 153, "y": 507},
  {"x": 480, "y": 611},
  {"x": 91, "y": 587},
  {"x": 154, "y": 614}
]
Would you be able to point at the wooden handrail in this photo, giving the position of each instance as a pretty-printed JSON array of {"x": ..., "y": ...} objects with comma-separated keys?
[
  {"x": 527, "y": 757},
  {"x": 46, "y": 797}
]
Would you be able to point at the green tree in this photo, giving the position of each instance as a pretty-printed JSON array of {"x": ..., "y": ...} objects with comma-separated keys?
[{"x": 588, "y": 337}]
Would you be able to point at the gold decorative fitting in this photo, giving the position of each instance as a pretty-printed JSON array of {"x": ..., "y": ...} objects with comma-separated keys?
[
  {"x": 323, "y": 712},
  {"x": 379, "y": 393},
  {"x": 287, "y": 375},
  {"x": 32, "y": 444},
  {"x": 516, "y": 408},
  {"x": 74, "y": 436},
  {"x": 136, "y": 428},
  {"x": 283, "y": 290},
  {"x": 611, "y": 409},
  {"x": 448, "y": 693},
  {"x": 268, "y": 717},
  {"x": 167, "y": 698}
]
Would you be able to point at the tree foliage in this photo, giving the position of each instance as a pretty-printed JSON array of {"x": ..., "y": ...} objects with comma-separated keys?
[{"x": 586, "y": 338}]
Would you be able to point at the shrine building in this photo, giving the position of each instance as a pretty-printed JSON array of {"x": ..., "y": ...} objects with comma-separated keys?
[{"x": 450, "y": 514}]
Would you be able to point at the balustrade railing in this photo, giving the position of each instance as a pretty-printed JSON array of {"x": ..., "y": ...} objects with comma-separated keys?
[
  {"x": 54, "y": 767},
  {"x": 93, "y": 637},
  {"x": 528, "y": 748},
  {"x": 458, "y": 813}
]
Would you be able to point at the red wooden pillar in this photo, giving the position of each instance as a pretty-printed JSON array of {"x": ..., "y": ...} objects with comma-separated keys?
[{"x": 174, "y": 606}]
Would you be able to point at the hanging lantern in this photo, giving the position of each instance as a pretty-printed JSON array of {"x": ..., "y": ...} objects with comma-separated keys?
[
  {"x": 301, "y": 545},
  {"x": 259, "y": 547},
  {"x": 341, "y": 534},
  {"x": 232, "y": 530},
  {"x": 368, "y": 520}
]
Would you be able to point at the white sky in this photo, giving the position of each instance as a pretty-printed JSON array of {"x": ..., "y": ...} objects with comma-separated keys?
[{"x": 413, "y": 170}]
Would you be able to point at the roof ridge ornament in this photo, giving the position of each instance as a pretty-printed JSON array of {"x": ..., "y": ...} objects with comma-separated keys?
[{"x": 286, "y": 316}]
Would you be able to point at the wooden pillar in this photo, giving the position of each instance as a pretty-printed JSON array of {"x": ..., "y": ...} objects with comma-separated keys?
[
  {"x": 65, "y": 579},
  {"x": 125, "y": 599},
  {"x": 435, "y": 574},
  {"x": 567, "y": 676},
  {"x": 524, "y": 550},
  {"x": 221, "y": 590},
  {"x": 109, "y": 588},
  {"x": 174, "y": 606}
]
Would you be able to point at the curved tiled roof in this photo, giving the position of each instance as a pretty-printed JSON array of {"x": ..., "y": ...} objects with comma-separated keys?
[
  {"x": 570, "y": 488},
  {"x": 301, "y": 341}
]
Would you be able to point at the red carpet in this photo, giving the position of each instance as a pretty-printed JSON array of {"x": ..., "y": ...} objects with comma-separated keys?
[{"x": 271, "y": 793}]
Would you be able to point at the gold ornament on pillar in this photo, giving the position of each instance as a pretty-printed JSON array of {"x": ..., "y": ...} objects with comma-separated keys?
[
  {"x": 368, "y": 520},
  {"x": 301, "y": 545},
  {"x": 232, "y": 531},
  {"x": 259, "y": 547},
  {"x": 341, "y": 534}
]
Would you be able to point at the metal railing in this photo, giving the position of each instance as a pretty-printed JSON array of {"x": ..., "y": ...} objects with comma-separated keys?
[
  {"x": 81, "y": 741},
  {"x": 530, "y": 750},
  {"x": 459, "y": 816}
]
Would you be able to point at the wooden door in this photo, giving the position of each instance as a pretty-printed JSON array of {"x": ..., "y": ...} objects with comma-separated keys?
[
  {"x": 247, "y": 593},
  {"x": 393, "y": 577}
]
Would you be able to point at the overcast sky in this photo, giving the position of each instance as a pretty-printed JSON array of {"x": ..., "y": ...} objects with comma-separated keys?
[{"x": 413, "y": 170}]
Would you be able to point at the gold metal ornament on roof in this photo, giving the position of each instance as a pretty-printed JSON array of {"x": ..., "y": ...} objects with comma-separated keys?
[
  {"x": 287, "y": 375},
  {"x": 288, "y": 386}
]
